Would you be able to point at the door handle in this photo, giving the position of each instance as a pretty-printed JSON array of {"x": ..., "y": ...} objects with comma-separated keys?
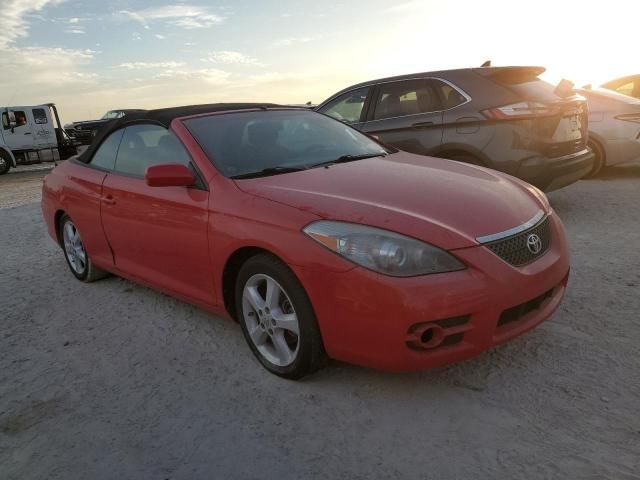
[
  {"x": 422, "y": 124},
  {"x": 27, "y": 133},
  {"x": 109, "y": 200}
]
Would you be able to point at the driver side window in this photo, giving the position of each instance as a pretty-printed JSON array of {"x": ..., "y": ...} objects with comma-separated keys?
[
  {"x": 348, "y": 107},
  {"x": 145, "y": 145},
  {"x": 105, "y": 156}
]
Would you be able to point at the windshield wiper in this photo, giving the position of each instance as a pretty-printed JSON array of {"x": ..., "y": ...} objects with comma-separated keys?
[
  {"x": 265, "y": 172},
  {"x": 348, "y": 158}
]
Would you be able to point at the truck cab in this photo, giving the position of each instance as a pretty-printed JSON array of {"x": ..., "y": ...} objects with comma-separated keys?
[{"x": 32, "y": 134}]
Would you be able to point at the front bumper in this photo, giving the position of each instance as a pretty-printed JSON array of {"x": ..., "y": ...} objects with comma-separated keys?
[
  {"x": 374, "y": 320},
  {"x": 622, "y": 150},
  {"x": 82, "y": 137},
  {"x": 550, "y": 174}
]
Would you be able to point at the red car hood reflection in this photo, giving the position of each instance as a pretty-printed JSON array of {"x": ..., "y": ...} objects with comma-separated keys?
[{"x": 445, "y": 203}]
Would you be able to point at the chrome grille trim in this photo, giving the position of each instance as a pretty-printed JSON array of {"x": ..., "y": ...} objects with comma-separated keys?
[
  {"x": 512, "y": 231},
  {"x": 514, "y": 249}
]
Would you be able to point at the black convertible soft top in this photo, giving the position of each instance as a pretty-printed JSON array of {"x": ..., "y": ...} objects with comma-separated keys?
[{"x": 164, "y": 116}]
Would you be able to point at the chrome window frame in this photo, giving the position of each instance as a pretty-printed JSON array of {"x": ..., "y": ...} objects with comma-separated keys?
[
  {"x": 455, "y": 87},
  {"x": 372, "y": 85},
  {"x": 342, "y": 94}
]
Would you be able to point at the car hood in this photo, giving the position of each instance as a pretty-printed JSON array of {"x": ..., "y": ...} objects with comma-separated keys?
[{"x": 445, "y": 203}]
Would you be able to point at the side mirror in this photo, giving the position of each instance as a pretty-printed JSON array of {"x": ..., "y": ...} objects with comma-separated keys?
[{"x": 169, "y": 175}]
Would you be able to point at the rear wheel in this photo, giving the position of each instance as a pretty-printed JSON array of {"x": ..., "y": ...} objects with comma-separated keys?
[
  {"x": 277, "y": 319},
  {"x": 75, "y": 253},
  {"x": 5, "y": 162},
  {"x": 599, "y": 159}
]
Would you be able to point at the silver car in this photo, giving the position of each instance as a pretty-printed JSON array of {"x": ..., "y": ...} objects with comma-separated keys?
[{"x": 614, "y": 127}]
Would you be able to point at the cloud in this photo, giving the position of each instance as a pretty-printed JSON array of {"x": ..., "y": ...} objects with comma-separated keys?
[
  {"x": 13, "y": 24},
  {"x": 184, "y": 16},
  {"x": 209, "y": 75},
  {"x": 148, "y": 65},
  {"x": 287, "y": 42},
  {"x": 407, "y": 6},
  {"x": 74, "y": 20},
  {"x": 29, "y": 71},
  {"x": 230, "y": 57},
  {"x": 51, "y": 57},
  {"x": 159, "y": 37}
]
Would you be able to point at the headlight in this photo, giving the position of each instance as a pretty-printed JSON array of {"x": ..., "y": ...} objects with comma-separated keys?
[{"x": 382, "y": 251}]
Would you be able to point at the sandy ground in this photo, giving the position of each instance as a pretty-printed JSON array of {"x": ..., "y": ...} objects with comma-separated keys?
[{"x": 112, "y": 380}]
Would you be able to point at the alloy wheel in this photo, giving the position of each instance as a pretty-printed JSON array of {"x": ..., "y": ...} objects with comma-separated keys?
[
  {"x": 271, "y": 320},
  {"x": 74, "y": 248}
]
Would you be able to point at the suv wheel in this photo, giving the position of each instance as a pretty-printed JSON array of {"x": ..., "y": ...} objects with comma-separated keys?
[{"x": 599, "y": 159}]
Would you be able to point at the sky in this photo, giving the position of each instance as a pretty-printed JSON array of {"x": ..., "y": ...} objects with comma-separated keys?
[{"x": 90, "y": 56}]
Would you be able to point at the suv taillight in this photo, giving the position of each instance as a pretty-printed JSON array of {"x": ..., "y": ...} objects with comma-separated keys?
[
  {"x": 629, "y": 117},
  {"x": 521, "y": 110}
]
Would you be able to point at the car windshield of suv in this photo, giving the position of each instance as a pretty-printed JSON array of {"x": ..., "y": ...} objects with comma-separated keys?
[
  {"x": 111, "y": 115},
  {"x": 270, "y": 142}
]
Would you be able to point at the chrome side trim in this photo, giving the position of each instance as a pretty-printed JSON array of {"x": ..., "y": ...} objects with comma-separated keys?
[
  {"x": 374, "y": 84},
  {"x": 512, "y": 231}
]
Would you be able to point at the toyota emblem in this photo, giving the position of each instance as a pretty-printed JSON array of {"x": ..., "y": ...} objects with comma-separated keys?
[{"x": 534, "y": 244}]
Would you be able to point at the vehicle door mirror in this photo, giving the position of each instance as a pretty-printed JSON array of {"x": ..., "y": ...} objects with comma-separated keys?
[
  {"x": 169, "y": 175},
  {"x": 11, "y": 115}
]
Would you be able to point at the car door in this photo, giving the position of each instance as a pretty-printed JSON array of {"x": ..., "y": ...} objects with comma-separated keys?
[
  {"x": 17, "y": 128},
  {"x": 82, "y": 197},
  {"x": 44, "y": 135},
  {"x": 406, "y": 114},
  {"x": 157, "y": 234},
  {"x": 348, "y": 107}
]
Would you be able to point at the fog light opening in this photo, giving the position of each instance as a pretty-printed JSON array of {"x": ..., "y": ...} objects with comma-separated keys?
[
  {"x": 427, "y": 335},
  {"x": 431, "y": 336}
]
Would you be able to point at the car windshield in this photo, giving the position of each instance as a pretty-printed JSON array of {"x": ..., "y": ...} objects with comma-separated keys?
[
  {"x": 110, "y": 115},
  {"x": 278, "y": 141}
]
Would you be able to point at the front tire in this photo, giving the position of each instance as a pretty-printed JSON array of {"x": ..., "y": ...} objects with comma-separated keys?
[
  {"x": 75, "y": 253},
  {"x": 277, "y": 318},
  {"x": 5, "y": 163}
]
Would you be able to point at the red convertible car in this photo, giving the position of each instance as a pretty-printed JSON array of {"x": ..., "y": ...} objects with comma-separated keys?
[{"x": 319, "y": 240}]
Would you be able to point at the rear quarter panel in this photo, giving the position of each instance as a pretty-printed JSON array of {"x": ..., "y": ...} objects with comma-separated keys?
[
  {"x": 76, "y": 189},
  {"x": 466, "y": 129}
]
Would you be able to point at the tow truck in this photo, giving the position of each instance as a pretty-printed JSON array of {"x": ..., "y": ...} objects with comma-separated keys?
[{"x": 33, "y": 134}]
